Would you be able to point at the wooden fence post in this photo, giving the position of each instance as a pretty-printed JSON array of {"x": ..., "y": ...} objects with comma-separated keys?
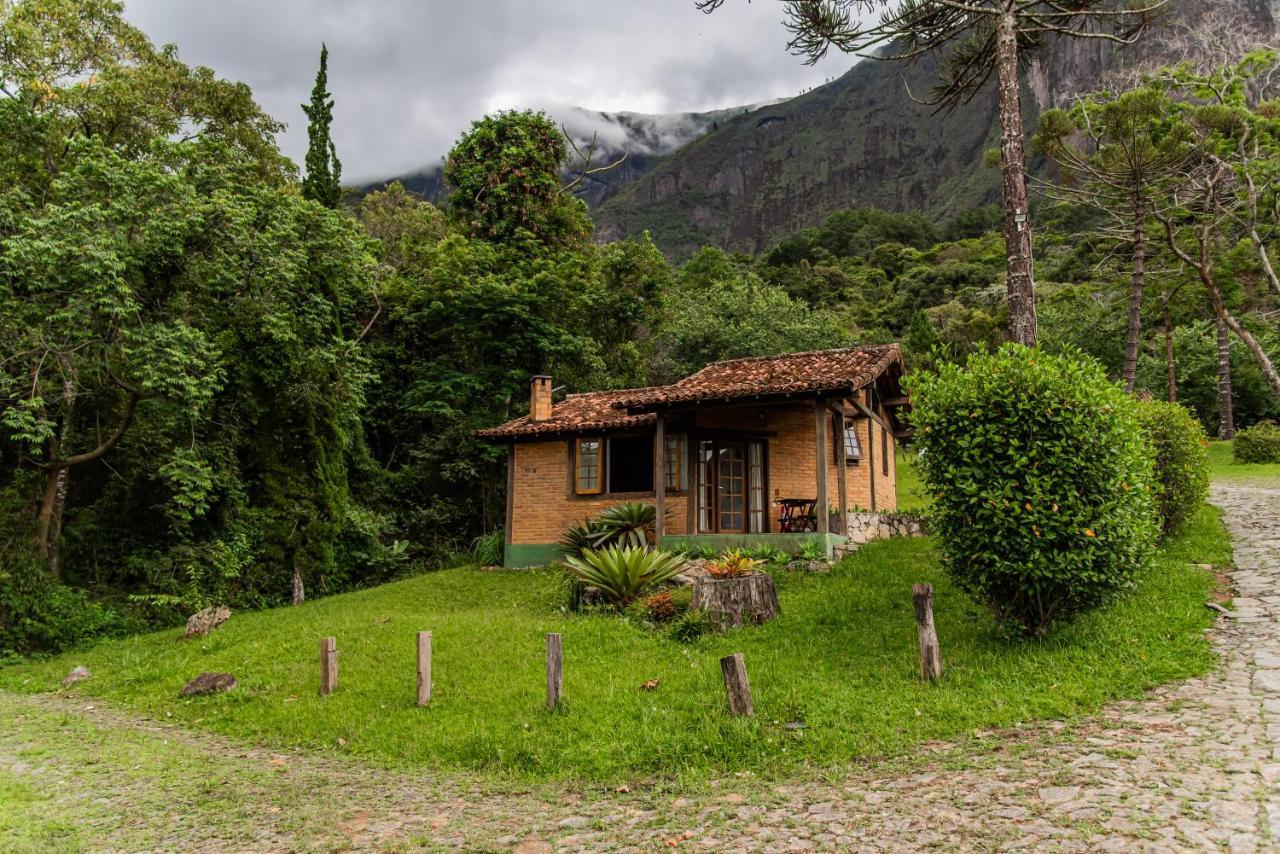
[
  {"x": 555, "y": 669},
  {"x": 328, "y": 666},
  {"x": 424, "y": 668},
  {"x": 736, "y": 685},
  {"x": 930, "y": 654}
]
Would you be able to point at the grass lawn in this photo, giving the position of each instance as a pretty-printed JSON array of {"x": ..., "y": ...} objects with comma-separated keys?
[
  {"x": 1221, "y": 466},
  {"x": 912, "y": 495},
  {"x": 841, "y": 659}
]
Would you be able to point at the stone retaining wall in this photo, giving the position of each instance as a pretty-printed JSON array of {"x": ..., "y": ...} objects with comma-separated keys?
[{"x": 862, "y": 528}]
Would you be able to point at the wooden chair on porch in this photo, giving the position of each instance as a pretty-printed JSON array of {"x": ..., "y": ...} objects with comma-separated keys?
[{"x": 796, "y": 515}]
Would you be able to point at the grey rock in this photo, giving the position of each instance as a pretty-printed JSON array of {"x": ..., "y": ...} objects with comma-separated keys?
[{"x": 208, "y": 683}]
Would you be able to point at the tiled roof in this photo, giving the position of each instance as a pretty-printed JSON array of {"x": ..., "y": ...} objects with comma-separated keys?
[
  {"x": 577, "y": 413},
  {"x": 822, "y": 370}
]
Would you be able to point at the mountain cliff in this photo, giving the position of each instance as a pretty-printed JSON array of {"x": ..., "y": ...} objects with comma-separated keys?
[{"x": 862, "y": 140}]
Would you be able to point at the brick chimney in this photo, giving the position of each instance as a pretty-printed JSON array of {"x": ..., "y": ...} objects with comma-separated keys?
[{"x": 540, "y": 398}]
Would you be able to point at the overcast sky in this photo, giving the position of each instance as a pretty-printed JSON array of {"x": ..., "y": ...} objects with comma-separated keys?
[{"x": 409, "y": 75}]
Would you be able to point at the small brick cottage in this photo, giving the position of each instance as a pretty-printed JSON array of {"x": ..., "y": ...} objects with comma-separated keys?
[{"x": 776, "y": 449}]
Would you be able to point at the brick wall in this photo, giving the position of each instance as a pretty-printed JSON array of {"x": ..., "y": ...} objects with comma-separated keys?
[{"x": 545, "y": 503}]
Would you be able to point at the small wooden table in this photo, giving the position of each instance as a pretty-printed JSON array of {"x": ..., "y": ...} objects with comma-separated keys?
[{"x": 796, "y": 515}]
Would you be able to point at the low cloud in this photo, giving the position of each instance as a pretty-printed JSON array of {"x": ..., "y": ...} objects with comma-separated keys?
[{"x": 409, "y": 76}]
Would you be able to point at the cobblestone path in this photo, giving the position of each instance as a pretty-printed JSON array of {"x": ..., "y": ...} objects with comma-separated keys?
[{"x": 1192, "y": 766}]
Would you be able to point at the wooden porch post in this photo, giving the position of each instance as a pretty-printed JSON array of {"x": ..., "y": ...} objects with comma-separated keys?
[
  {"x": 660, "y": 479},
  {"x": 842, "y": 477},
  {"x": 820, "y": 447}
]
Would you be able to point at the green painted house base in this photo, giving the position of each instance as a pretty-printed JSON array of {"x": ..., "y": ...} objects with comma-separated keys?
[{"x": 522, "y": 555}]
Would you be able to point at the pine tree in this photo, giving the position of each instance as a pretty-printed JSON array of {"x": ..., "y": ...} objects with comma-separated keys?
[{"x": 324, "y": 171}]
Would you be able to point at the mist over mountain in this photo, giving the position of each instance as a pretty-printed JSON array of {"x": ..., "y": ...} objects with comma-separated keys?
[
  {"x": 742, "y": 178},
  {"x": 642, "y": 138}
]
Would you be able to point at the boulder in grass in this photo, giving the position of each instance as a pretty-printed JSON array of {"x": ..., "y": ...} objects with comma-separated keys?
[
  {"x": 79, "y": 673},
  {"x": 201, "y": 623},
  {"x": 208, "y": 683}
]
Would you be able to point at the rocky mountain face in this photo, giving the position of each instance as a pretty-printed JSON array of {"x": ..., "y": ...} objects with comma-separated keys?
[{"x": 862, "y": 140}]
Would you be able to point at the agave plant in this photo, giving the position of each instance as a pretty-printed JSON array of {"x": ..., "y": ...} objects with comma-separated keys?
[
  {"x": 627, "y": 525},
  {"x": 577, "y": 539},
  {"x": 622, "y": 574}
]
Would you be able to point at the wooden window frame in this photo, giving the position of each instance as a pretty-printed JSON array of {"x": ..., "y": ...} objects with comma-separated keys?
[
  {"x": 577, "y": 465},
  {"x": 884, "y": 451},
  {"x": 850, "y": 427},
  {"x": 673, "y": 458}
]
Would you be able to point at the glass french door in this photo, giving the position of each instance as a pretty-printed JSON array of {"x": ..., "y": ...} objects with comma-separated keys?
[{"x": 730, "y": 495}]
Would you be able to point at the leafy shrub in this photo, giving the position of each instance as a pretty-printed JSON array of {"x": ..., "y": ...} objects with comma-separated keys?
[
  {"x": 1041, "y": 482},
  {"x": 766, "y": 553},
  {"x": 1181, "y": 456},
  {"x": 487, "y": 549},
  {"x": 690, "y": 626},
  {"x": 36, "y": 616},
  {"x": 622, "y": 574},
  {"x": 661, "y": 607},
  {"x": 732, "y": 564},
  {"x": 1258, "y": 444},
  {"x": 812, "y": 550}
]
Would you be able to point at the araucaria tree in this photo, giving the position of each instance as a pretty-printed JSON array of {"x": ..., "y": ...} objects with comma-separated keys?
[
  {"x": 324, "y": 171},
  {"x": 1113, "y": 153},
  {"x": 976, "y": 39}
]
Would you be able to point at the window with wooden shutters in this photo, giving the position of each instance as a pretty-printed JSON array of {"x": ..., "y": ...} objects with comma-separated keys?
[
  {"x": 884, "y": 451},
  {"x": 674, "y": 462}
]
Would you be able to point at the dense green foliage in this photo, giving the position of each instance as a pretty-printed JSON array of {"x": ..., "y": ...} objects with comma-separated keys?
[
  {"x": 1041, "y": 481},
  {"x": 1258, "y": 444},
  {"x": 1180, "y": 449},
  {"x": 842, "y": 657}
]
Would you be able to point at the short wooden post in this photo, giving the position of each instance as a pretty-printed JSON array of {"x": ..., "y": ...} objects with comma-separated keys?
[
  {"x": 328, "y": 666},
  {"x": 736, "y": 685},
  {"x": 424, "y": 668},
  {"x": 555, "y": 669},
  {"x": 930, "y": 654}
]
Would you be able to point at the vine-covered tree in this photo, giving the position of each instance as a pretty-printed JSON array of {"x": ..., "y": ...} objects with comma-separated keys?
[
  {"x": 323, "y": 181},
  {"x": 977, "y": 39}
]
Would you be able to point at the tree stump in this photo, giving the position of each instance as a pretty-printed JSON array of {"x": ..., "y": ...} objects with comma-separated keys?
[{"x": 733, "y": 602}]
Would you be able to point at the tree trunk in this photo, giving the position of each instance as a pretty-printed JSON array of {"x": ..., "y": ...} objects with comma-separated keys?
[
  {"x": 1135, "y": 298},
  {"x": 299, "y": 592},
  {"x": 1017, "y": 224},
  {"x": 733, "y": 602},
  {"x": 1171, "y": 366},
  {"x": 1260, "y": 356},
  {"x": 1226, "y": 420},
  {"x": 49, "y": 522}
]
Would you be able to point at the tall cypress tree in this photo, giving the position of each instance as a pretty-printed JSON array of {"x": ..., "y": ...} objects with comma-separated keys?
[{"x": 323, "y": 168}]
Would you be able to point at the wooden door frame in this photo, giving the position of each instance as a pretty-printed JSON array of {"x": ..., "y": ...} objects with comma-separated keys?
[{"x": 696, "y": 484}]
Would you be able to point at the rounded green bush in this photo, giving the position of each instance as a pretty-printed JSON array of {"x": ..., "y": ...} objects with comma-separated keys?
[
  {"x": 1258, "y": 444},
  {"x": 1181, "y": 455},
  {"x": 1041, "y": 482}
]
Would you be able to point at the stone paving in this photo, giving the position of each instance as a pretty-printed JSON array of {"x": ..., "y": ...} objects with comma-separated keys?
[{"x": 1191, "y": 766}]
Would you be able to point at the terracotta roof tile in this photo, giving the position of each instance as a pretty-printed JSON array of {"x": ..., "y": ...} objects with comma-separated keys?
[
  {"x": 822, "y": 370},
  {"x": 577, "y": 413}
]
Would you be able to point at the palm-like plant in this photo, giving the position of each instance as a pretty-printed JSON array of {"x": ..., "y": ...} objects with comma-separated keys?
[
  {"x": 622, "y": 574},
  {"x": 626, "y": 525},
  {"x": 577, "y": 539}
]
